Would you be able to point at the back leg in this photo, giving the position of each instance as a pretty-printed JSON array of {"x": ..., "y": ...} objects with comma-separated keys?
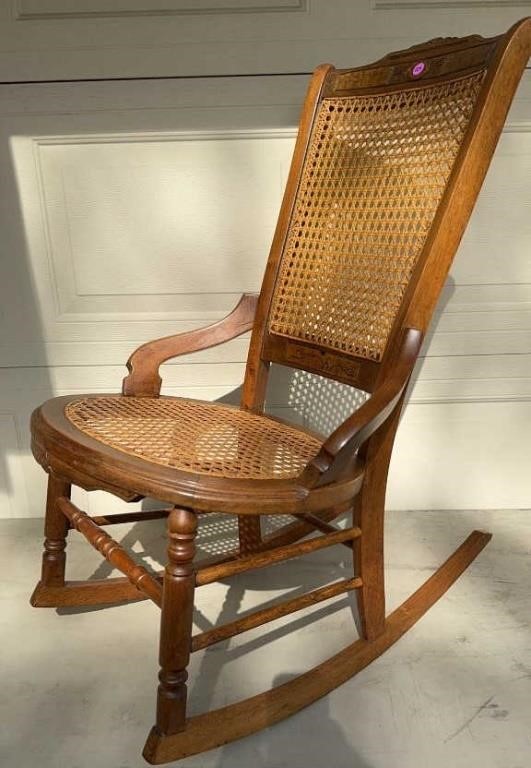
[
  {"x": 369, "y": 514},
  {"x": 249, "y": 533}
]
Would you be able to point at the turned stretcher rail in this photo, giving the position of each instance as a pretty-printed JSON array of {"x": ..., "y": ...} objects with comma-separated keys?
[
  {"x": 266, "y": 615},
  {"x": 262, "y": 559},
  {"x": 111, "y": 550},
  {"x": 130, "y": 517}
]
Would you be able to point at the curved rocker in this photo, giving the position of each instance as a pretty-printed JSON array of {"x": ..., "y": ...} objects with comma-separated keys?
[
  {"x": 388, "y": 163},
  {"x": 82, "y": 594},
  {"x": 235, "y": 721}
]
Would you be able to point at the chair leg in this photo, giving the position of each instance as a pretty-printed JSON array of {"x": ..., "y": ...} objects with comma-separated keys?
[
  {"x": 176, "y": 622},
  {"x": 369, "y": 512},
  {"x": 249, "y": 533},
  {"x": 56, "y": 528}
]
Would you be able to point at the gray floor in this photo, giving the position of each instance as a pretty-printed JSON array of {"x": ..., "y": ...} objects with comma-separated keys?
[{"x": 78, "y": 688}]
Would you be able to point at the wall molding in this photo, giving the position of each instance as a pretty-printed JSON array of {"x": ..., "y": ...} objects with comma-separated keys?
[
  {"x": 64, "y": 310},
  {"x": 493, "y": 390},
  {"x": 84, "y": 9},
  {"x": 64, "y": 290},
  {"x": 125, "y": 137},
  {"x": 390, "y": 5},
  {"x": 186, "y": 380},
  {"x": 11, "y": 417}
]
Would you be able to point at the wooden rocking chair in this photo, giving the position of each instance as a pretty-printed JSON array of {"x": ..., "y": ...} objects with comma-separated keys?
[{"x": 387, "y": 166}]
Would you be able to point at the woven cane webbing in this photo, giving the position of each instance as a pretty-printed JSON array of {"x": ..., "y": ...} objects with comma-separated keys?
[
  {"x": 194, "y": 436},
  {"x": 374, "y": 174}
]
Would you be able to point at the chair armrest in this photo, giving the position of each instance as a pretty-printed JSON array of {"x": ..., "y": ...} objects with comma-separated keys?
[
  {"x": 338, "y": 450},
  {"x": 144, "y": 363}
]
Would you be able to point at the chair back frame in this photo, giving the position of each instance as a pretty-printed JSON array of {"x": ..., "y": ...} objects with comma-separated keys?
[{"x": 443, "y": 60}]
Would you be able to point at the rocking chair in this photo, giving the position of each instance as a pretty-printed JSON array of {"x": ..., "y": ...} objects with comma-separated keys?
[{"x": 387, "y": 166}]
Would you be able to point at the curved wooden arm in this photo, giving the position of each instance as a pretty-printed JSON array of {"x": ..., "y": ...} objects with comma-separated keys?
[
  {"x": 144, "y": 363},
  {"x": 337, "y": 451}
]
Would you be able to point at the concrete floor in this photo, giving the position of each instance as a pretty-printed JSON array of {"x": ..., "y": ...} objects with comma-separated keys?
[{"x": 78, "y": 689}]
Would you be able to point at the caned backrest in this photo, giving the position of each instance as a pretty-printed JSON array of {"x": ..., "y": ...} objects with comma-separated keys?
[
  {"x": 388, "y": 163},
  {"x": 375, "y": 172}
]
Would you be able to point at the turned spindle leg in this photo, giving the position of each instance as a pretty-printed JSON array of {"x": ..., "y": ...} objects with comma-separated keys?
[
  {"x": 176, "y": 621},
  {"x": 249, "y": 533},
  {"x": 55, "y": 529}
]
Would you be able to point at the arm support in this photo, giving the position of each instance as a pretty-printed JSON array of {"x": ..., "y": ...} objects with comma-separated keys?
[
  {"x": 337, "y": 451},
  {"x": 144, "y": 363}
]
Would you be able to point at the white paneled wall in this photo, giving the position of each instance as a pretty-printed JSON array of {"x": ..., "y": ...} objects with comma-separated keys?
[{"x": 135, "y": 209}]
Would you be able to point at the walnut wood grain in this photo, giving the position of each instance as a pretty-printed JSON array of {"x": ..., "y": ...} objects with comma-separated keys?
[
  {"x": 258, "y": 618},
  {"x": 249, "y": 534},
  {"x": 176, "y": 622},
  {"x": 262, "y": 559},
  {"x": 88, "y": 593},
  {"x": 332, "y": 364},
  {"x": 444, "y": 58},
  {"x": 131, "y": 517},
  {"x": 369, "y": 512},
  {"x": 111, "y": 550},
  {"x": 56, "y": 530},
  {"x": 143, "y": 365}
]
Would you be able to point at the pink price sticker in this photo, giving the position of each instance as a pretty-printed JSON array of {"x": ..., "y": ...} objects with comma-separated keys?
[{"x": 418, "y": 68}]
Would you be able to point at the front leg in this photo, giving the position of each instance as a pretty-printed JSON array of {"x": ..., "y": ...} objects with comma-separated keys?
[
  {"x": 55, "y": 530},
  {"x": 176, "y": 622}
]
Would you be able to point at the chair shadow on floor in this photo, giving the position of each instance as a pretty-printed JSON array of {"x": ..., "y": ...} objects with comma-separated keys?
[
  {"x": 314, "y": 741},
  {"x": 218, "y": 534}
]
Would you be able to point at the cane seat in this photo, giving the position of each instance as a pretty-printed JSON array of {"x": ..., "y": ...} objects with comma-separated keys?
[
  {"x": 214, "y": 456},
  {"x": 195, "y": 436}
]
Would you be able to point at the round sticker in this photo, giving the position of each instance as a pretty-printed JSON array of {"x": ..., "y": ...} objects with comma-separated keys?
[{"x": 418, "y": 68}]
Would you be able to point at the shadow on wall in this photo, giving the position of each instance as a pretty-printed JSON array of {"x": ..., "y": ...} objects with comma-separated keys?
[
  {"x": 319, "y": 403},
  {"x": 307, "y": 399},
  {"x": 311, "y": 400}
]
